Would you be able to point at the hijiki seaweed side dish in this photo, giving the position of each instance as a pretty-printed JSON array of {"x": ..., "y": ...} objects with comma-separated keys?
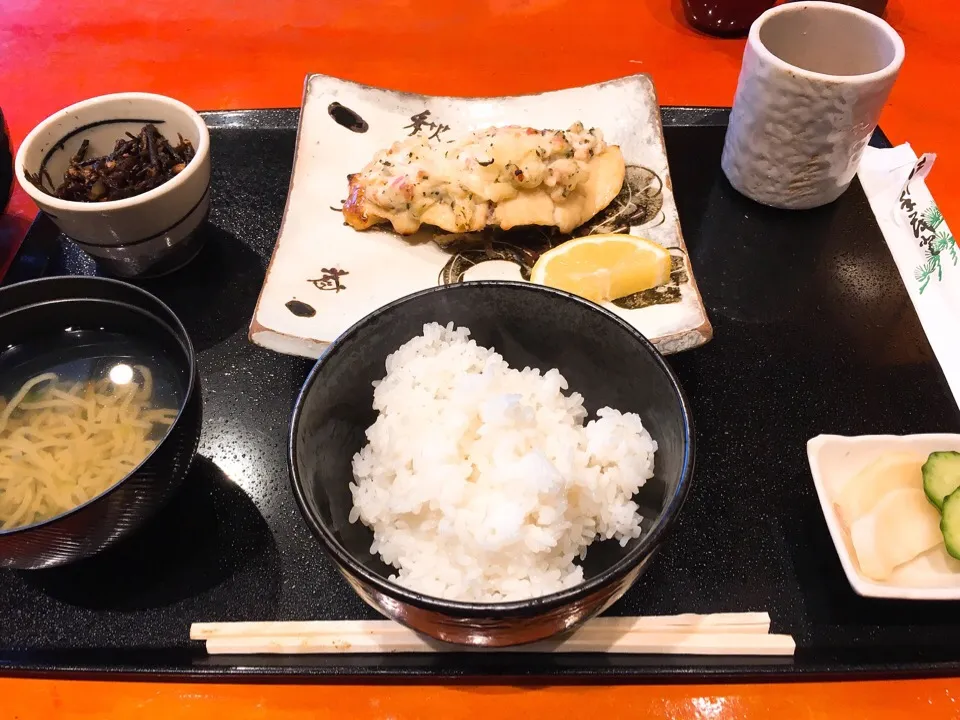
[{"x": 138, "y": 163}]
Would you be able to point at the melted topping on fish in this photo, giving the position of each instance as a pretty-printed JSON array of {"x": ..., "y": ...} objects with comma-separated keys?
[{"x": 504, "y": 176}]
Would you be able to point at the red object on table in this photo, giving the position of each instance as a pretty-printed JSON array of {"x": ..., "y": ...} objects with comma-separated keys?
[{"x": 725, "y": 18}]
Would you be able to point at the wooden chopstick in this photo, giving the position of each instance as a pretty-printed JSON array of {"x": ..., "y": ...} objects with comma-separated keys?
[
  {"x": 696, "y": 643},
  {"x": 720, "y": 634},
  {"x": 748, "y": 622}
]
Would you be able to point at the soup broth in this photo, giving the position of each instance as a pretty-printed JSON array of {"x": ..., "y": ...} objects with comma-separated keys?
[{"x": 79, "y": 411}]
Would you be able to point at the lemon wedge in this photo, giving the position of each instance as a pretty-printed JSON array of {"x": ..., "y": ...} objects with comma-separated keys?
[{"x": 604, "y": 267}]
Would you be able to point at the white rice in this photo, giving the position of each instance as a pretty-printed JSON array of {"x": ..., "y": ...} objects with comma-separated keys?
[{"x": 481, "y": 482}]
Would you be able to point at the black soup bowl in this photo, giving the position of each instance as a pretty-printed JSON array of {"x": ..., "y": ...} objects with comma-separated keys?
[
  {"x": 64, "y": 319},
  {"x": 601, "y": 356}
]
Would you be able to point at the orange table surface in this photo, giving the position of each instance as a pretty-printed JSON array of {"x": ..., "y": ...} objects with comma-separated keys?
[
  {"x": 91, "y": 700},
  {"x": 229, "y": 54}
]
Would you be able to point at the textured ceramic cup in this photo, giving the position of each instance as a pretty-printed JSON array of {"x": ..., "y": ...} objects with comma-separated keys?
[
  {"x": 815, "y": 77},
  {"x": 145, "y": 235}
]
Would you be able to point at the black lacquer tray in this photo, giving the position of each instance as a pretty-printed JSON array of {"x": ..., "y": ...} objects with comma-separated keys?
[{"x": 814, "y": 333}]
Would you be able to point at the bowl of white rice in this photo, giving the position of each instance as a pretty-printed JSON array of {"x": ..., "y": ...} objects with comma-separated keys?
[{"x": 491, "y": 463}]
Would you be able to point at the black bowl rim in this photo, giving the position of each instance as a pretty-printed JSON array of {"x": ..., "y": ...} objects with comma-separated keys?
[
  {"x": 647, "y": 545},
  {"x": 177, "y": 327}
]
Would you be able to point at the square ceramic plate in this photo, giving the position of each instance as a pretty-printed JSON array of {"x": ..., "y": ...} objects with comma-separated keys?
[
  {"x": 324, "y": 276},
  {"x": 833, "y": 461}
]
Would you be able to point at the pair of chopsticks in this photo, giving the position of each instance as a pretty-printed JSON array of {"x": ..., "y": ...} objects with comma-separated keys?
[{"x": 714, "y": 634}]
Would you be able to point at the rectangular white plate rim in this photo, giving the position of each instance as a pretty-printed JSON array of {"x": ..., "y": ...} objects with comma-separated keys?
[
  {"x": 860, "y": 584},
  {"x": 297, "y": 344}
]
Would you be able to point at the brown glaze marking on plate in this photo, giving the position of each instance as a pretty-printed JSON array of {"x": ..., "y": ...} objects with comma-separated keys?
[
  {"x": 347, "y": 118},
  {"x": 301, "y": 309},
  {"x": 330, "y": 280}
]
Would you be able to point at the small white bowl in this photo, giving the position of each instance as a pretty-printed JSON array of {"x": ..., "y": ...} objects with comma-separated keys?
[
  {"x": 149, "y": 234},
  {"x": 834, "y": 460}
]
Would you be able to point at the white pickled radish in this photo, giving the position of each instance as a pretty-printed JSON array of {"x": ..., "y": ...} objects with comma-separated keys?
[
  {"x": 902, "y": 526},
  {"x": 861, "y": 494}
]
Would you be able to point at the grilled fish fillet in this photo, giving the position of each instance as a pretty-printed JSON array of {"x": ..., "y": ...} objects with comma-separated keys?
[{"x": 503, "y": 177}]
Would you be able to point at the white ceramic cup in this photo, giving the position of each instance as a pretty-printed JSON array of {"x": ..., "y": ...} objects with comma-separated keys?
[
  {"x": 815, "y": 77},
  {"x": 149, "y": 234}
]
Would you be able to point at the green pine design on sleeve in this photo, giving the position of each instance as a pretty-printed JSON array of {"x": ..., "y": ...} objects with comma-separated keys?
[
  {"x": 938, "y": 244},
  {"x": 924, "y": 272},
  {"x": 933, "y": 217}
]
